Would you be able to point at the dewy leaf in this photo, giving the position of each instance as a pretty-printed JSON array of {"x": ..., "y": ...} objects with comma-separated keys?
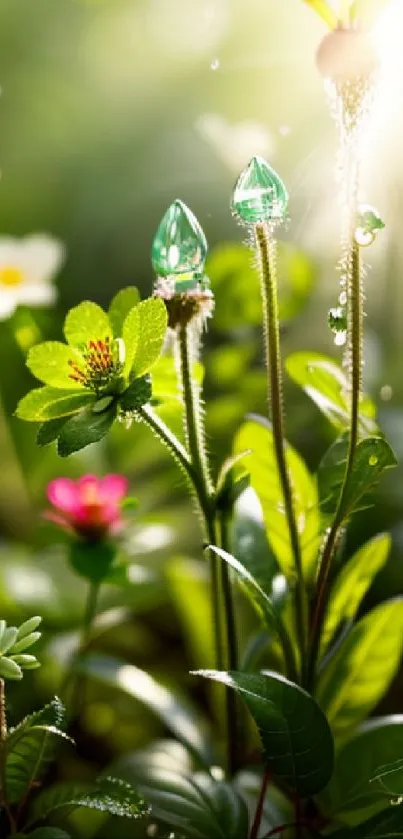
[
  {"x": 85, "y": 428},
  {"x": 153, "y": 323},
  {"x": 256, "y": 435},
  {"x": 175, "y": 713},
  {"x": 352, "y": 584},
  {"x": 87, "y": 322},
  {"x": 359, "y": 674},
  {"x": 108, "y": 795},
  {"x": 50, "y": 362},
  {"x": 121, "y": 305},
  {"x": 326, "y": 384},
  {"x": 296, "y": 737},
  {"x": 350, "y": 795},
  {"x": 48, "y": 403},
  {"x": 30, "y": 747}
]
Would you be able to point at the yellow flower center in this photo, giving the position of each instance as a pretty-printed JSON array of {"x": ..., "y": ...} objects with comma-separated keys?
[{"x": 11, "y": 276}]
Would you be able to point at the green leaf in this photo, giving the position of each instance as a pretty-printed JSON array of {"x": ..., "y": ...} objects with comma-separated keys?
[
  {"x": 85, "y": 428},
  {"x": 190, "y": 586},
  {"x": 236, "y": 282},
  {"x": 137, "y": 394},
  {"x": 9, "y": 669},
  {"x": 49, "y": 431},
  {"x": 29, "y": 626},
  {"x": 358, "y": 675},
  {"x": 51, "y": 361},
  {"x": 31, "y": 747},
  {"x": 49, "y": 403},
  {"x": 172, "y": 710},
  {"x": 256, "y": 435},
  {"x": 296, "y": 737},
  {"x": 87, "y": 322},
  {"x": 385, "y": 825},
  {"x": 92, "y": 561},
  {"x": 350, "y": 796},
  {"x": 8, "y": 639},
  {"x": 250, "y": 544},
  {"x": 121, "y": 305},
  {"x": 192, "y": 802},
  {"x": 324, "y": 381},
  {"x": 390, "y": 776},
  {"x": 25, "y": 642},
  {"x": 44, "y": 833},
  {"x": 352, "y": 584},
  {"x": 259, "y": 598},
  {"x": 144, "y": 332},
  {"x": 372, "y": 456},
  {"x": 108, "y": 795}
]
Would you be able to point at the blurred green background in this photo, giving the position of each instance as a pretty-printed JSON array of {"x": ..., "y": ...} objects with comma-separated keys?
[{"x": 111, "y": 109}]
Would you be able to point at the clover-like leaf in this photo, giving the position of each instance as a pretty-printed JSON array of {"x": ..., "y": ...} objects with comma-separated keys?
[
  {"x": 85, "y": 428},
  {"x": 48, "y": 403},
  {"x": 87, "y": 322},
  {"x": 51, "y": 361},
  {"x": 296, "y": 737},
  {"x": 121, "y": 305}
]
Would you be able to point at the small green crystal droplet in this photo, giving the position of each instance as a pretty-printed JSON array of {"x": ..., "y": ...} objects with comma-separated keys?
[
  {"x": 337, "y": 319},
  {"x": 179, "y": 246},
  {"x": 259, "y": 195},
  {"x": 368, "y": 224}
]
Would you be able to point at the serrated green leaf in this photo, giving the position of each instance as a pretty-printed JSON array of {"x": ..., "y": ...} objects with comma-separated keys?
[
  {"x": 352, "y": 584},
  {"x": 49, "y": 431},
  {"x": 48, "y": 403},
  {"x": 350, "y": 796},
  {"x": 31, "y": 747},
  {"x": 324, "y": 381},
  {"x": 108, "y": 795},
  {"x": 296, "y": 737},
  {"x": 125, "y": 300},
  {"x": 177, "y": 714},
  {"x": 372, "y": 456},
  {"x": 87, "y": 322},
  {"x": 85, "y": 428},
  {"x": 152, "y": 323},
  {"x": 137, "y": 394},
  {"x": 358, "y": 675},
  {"x": 257, "y": 436},
  {"x": 51, "y": 361}
]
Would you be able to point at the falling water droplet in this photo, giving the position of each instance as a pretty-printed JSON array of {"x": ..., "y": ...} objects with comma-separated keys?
[
  {"x": 364, "y": 238},
  {"x": 373, "y": 460},
  {"x": 337, "y": 319},
  {"x": 386, "y": 393},
  {"x": 340, "y": 339},
  {"x": 215, "y": 64},
  {"x": 343, "y": 298}
]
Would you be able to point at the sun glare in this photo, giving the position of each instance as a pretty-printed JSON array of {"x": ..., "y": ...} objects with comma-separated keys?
[{"x": 387, "y": 34}]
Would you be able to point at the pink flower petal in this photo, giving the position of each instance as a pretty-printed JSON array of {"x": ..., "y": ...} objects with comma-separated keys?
[
  {"x": 61, "y": 522},
  {"x": 63, "y": 494},
  {"x": 114, "y": 487}
]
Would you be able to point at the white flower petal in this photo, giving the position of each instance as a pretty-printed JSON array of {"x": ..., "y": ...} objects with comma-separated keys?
[
  {"x": 10, "y": 252},
  {"x": 36, "y": 294},
  {"x": 41, "y": 257},
  {"x": 8, "y": 303}
]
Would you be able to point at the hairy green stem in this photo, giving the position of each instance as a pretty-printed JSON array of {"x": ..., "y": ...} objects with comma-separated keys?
[
  {"x": 169, "y": 439},
  {"x": 266, "y": 251},
  {"x": 232, "y": 645},
  {"x": 355, "y": 328}
]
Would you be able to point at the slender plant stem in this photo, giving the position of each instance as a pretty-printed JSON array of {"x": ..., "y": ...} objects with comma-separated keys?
[
  {"x": 232, "y": 645},
  {"x": 169, "y": 439},
  {"x": 3, "y": 738},
  {"x": 260, "y": 806},
  {"x": 77, "y": 700},
  {"x": 355, "y": 328},
  {"x": 266, "y": 251}
]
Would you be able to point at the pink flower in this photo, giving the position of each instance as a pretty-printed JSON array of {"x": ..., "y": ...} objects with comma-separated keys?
[{"x": 89, "y": 507}]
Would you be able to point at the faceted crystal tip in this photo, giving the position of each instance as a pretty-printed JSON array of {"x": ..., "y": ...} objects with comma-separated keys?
[
  {"x": 259, "y": 195},
  {"x": 179, "y": 246}
]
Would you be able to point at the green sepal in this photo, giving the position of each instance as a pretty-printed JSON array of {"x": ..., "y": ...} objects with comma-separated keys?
[
  {"x": 92, "y": 561},
  {"x": 137, "y": 394},
  {"x": 85, "y": 428},
  {"x": 122, "y": 303},
  {"x": 49, "y": 431},
  {"x": 49, "y": 403}
]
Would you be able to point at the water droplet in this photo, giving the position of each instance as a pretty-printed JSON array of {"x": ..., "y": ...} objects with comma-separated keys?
[
  {"x": 260, "y": 194},
  {"x": 179, "y": 246},
  {"x": 364, "y": 238},
  {"x": 343, "y": 298},
  {"x": 337, "y": 319},
  {"x": 215, "y": 64},
  {"x": 340, "y": 339},
  {"x": 395, "y": 802},
  {"x": 368, "y": 224},
  {"x": 386, "y": 393},
  {"x": 373, "y": 460}
]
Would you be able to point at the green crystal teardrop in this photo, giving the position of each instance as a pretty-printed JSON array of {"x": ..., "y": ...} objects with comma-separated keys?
[
  {"x": 260, "y": 194},
  {"x": 179, "y": 246},
  {"x": 369, "y": 219},
  {"x": 337, "y": 319}
]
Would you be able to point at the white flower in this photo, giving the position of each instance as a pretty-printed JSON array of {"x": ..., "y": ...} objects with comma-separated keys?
[{"x": 27, "y": 268}]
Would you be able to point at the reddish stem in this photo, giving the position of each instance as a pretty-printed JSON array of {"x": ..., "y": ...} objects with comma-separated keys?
[{"x": 260, "y": 805}]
